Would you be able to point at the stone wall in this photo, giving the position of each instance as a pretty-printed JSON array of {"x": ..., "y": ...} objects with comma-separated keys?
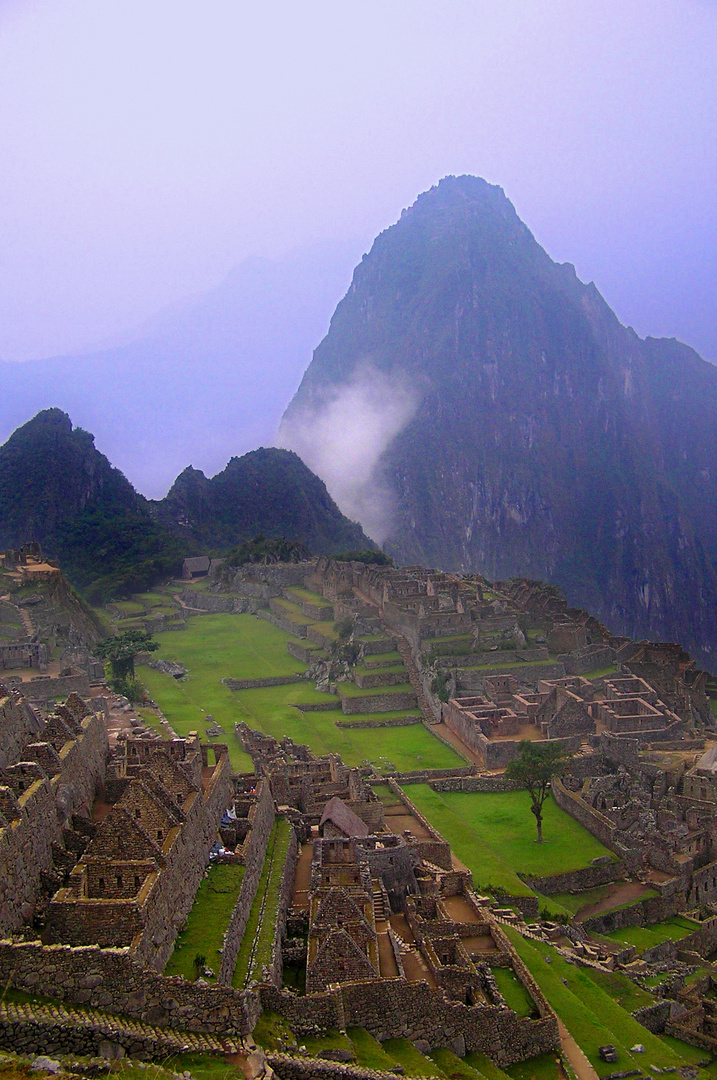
[
  {"x": 42, "y": 809},
  {"x": 371, "y": 703},
  {"x": 392, "y": 1008},
  {"x": 170, "y": 903},
  {"x": 45, "y": 687},
  {"x": 18, "y": 724},
  {"x": 526, "y": 674},
  {"x": 396, "y": 721},
  {"x": 254, "y": 854},
  {"x": 59, "y": 1031},
  {"x": 651, "y": 909},
  {"x": 214, "y": 603},
  {"x": 487, "y": 784},
  {"x": 254, "y": 684},
  {"x": 112, "y": 980},
  {"x": 590, "y": 877},
  {"x": 285, "y": 624},
  {"x": 595, "y": 822}
]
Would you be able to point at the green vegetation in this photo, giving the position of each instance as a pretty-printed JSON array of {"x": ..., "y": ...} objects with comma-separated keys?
[
  {"x": 593, "y": 1016},
  {"x": 349, "y": 689},
  {"x": 272, "y": 1032},
  {"x": 120, "y": 653},
  {"x": 537, "y": 763},
  {"x": 330, "y": 1040},
  {"x": 487, "y": 832},
  {"x": 207, "y": 921},
  {"x": 244, "y": 646},
  {"x": 599, "y": 673},
  {"x": 644, "y": 937},
  {"x": 255, "y": 950},
  {"x": 369, "y": 1052},
  {"x": 261, "y": 550},
  {"x": 370, "y": 556},
  {"x": 543, "y": 1067},
  {"x": 516, "y": 996},
  {"x": 414, "y": 1063},
  {"x": 485, "y": 1066},
  {"x": 453, "y": 1066}
]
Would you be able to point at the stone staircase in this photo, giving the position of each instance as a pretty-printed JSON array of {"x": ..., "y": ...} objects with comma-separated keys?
[
  {"x": 58, "y": 1029},
  {"x": 379, "y": 905},
  {"x": 409, "y": 663}
]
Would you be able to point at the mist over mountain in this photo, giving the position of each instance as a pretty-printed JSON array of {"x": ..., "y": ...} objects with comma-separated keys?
[
  {"x": 204, "y": 380},
  {"x": 57, "y": 488},
  {"x": 511, "y": 424}
]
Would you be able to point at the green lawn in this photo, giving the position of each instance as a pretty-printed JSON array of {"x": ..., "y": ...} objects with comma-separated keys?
[
  {"x": 644, "y": 937},
  {"x": 369, "y": 1052},
  {"x": 243, "y": 646},
  {"x": 307, "y": 596},
  {"x": 598, "y": 673},
  {"x": 516, "y": 996},
  {"x": 249, "y": 967},
  {"x": 494, "y": 835},
  {"x": 207, "y": 922},
  {"x": 414, "y": 1063}
]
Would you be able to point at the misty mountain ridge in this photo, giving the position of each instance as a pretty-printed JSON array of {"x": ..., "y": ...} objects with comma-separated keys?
[
  {"x": 57, "y": 488},
  {"x": 208, "y": 377},
  {"x": 515, "y": 427}
]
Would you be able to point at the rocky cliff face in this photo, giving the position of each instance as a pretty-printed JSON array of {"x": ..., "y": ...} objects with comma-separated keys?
[{"x": 547, "y": 440}]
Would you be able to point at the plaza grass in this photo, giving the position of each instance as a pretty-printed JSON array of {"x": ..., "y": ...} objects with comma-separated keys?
[
  {"x": 243, "y": 646},
  {"x": 261, "y": 926},
  {"x": 207, "y": 921},
  {"x": 494, "y": 835}
]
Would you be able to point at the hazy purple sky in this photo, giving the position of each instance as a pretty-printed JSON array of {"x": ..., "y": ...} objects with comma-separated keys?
[{"x": 147, "y": 146}]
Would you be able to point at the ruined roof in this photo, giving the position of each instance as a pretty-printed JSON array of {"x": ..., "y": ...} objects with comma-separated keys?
[{"x": 342, "y": 816}]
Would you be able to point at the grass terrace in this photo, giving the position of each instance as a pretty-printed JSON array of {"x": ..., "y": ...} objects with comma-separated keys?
[
  {"x": 516, "y": 996},
  {"x": 306, "y": 596},
  {"x": 645, "y": 937},
  {"x": 599, "y": 673},
  {"x": 207, "y": 922}
]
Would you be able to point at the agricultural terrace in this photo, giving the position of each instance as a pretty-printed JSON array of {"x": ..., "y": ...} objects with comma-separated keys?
[
  {"x": 213, "y": 647},
  {"x": 494, "y": 835}
]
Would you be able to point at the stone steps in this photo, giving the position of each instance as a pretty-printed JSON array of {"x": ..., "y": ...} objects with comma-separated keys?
[{"x": 85, "y": 1031}]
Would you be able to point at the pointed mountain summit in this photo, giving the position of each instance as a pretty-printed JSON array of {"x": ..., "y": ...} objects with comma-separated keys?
[
  {"x": 266, "y": 492},
  {"x": 532, "y": 434}
]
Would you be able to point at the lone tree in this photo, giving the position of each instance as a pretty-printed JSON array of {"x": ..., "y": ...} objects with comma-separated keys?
[
  {"x": 536, "y": 765},
  {"x": 121, "y": 650}
]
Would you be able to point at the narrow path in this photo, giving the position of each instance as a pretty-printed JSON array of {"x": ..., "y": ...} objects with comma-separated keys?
[
  {"x": 26, "y": 621},
  {"x": 582, "y": 1067}
]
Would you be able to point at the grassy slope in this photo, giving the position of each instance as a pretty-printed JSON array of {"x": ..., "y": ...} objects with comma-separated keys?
[
  {"x": 207, "y": 922},
  {"x": 592, "y": 1015}
]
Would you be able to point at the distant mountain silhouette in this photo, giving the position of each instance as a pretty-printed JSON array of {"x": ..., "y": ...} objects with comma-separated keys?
[
  {"x": 547, "y": 440},
  {"x": 205, "y": 379},
  {"x": 57, "y": 488}
]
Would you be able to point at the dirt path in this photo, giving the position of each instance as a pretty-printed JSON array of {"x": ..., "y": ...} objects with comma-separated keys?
[
  {"x": 458, "y": 745},
  {"x": 624, "y": 893},
  {"x": 581, "y": 1065}
]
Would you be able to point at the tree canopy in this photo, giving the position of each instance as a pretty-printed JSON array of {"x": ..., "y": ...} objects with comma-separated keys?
[
  {"x": 536, "y": 765},
  {"x": 121, "y": 650}
]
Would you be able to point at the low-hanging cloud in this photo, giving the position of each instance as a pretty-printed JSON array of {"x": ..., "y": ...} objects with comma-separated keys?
[{"x": 343, "y": 437}]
